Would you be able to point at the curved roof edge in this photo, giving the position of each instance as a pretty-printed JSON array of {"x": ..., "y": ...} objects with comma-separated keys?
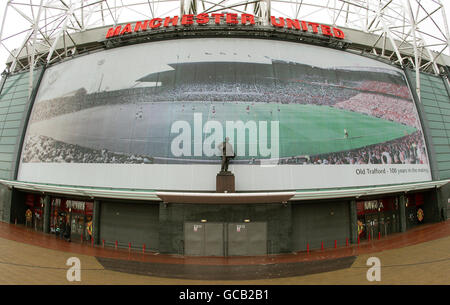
[{"x": 219, "y": 198}]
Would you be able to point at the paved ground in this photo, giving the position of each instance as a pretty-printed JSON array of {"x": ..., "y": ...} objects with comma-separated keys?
[{"x": 421, "y": 262}]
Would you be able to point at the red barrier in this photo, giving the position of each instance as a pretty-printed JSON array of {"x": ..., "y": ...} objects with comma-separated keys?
[
  {"x": 358, "y": 239},
  {"x": 346, "y": 241},
  {"x": 116, "y": 244},
  {"x": 92, "y": 242},
  {"x": 143, "y": 249},
  {"x": 103, "y": 243},
  {"x": 379, "y": 235},
  {"x": 307, "y": 248},
  {"x": 369, "y": 236},
  {"x": 335, "y": 243},
  {"x": 321, "y": 246},
  {"x": 129, "y": 247}
]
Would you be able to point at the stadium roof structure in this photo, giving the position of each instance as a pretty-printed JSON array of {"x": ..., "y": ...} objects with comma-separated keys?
[{"x": 407, "y": 33}]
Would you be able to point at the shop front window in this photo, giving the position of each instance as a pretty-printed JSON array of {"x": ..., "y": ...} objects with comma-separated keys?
[
  {"x": 376, "y": 217},
  {"x": 74, "y": 213},
  {"x": 414, "y": 210},
  {"x": 34, "y": 213}
]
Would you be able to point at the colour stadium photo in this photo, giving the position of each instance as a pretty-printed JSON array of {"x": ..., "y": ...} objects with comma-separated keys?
[{"x": 224, "y": 142}]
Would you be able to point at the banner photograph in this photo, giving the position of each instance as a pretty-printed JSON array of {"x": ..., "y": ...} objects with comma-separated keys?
[{"x": 285, "y": 108}]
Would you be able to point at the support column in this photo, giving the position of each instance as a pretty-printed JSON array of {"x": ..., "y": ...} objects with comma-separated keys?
[
  {"x": 443, "y": 196},
  {"x": 96, "y": 222},
  {"x": 353, "y": 222},
  {"x": 47, "y": 211},
  {"x": 402, "y": 212},
  {"x": 5, "y": 204}
]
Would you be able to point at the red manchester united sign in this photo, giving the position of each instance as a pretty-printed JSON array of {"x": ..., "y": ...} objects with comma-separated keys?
[{"x": 227, "y": 18}]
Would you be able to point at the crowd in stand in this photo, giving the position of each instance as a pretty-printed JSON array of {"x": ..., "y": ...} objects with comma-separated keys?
[
  {"x": 283, "y": 93},
  {"x": 384, "y": 100},
  {"x": 46, "y": 149},
  {"x": 401, "y": 91},
  {"x": 385, "y": 107},
  {"x": 406, "y": 150},
  {"x": 293, "y": 92}
]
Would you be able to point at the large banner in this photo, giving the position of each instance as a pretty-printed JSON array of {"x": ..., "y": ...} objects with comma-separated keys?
[{"x": 155, "y": 116}]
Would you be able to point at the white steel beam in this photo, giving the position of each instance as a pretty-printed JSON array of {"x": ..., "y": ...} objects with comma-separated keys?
[{"x": 395, "y": 21}]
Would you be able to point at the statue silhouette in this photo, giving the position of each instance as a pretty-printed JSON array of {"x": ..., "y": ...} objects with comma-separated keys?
[{"x": 227, "y": 152}]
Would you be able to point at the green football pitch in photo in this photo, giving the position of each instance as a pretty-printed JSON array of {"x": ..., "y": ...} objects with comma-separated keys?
[{"x": 303, "y": 129}]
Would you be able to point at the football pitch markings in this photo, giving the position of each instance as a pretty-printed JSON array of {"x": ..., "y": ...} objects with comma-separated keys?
[
  {"x": 307, "y": 129},
  {"x": 304, "y": 129}
]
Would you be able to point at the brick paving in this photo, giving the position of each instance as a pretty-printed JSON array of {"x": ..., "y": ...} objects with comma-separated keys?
[{"x": 418, "y": 256}]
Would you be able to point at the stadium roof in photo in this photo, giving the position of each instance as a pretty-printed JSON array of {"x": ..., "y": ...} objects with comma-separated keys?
[{"x": 408, "y": 33}]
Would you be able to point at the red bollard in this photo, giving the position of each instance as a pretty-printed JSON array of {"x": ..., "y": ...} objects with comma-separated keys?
[
  {"x": 321, "y": 246},
  {"x": 116, "y": 244},
  {"x": 92, "y": 242},
  {"x": 129, "y": 247},
  {"x": 379, "y": 235},
  {"x": 103, "y": 243},
  {"x": 346, "y": 241},
  {"x": 307, "y": 248},
  {"x": 369, "y": 236},
  {"x": 335, "y": 243},
  {"x": 358, "y": 239},
  {"x": 143, "y": 249}
]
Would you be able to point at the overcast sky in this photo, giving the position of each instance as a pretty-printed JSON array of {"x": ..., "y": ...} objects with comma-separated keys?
[{"x": 16, "y": 24}]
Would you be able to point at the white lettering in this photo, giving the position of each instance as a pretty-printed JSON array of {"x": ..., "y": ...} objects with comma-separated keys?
[
  {"x": 74, "y": 272},
  {"x": 181, "y": 145},
  {"x": 198, "y": 133},
  {"x": 246, "y": 138},
  {"x": 374, "y": 272},
  {"x": 240, "y": 128},
  {"x": 77, "y": 205},
  {"x": 199, "y": 295},
  {"x": 214, "y": 139},
  {"x": 274, "y": 150}
]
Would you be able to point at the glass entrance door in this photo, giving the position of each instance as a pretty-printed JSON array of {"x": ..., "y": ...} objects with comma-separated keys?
[
  {"x": 388, "y": 224},
  {"x": 372, "y": 225},
  {"x": 77, "y": 226}
]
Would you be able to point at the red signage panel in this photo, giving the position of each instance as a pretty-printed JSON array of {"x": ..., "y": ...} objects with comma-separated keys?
[{"x": 228, "y": 18}]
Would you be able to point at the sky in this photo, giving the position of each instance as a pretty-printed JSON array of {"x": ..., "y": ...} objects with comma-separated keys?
[{"x": 15, "y": 23}]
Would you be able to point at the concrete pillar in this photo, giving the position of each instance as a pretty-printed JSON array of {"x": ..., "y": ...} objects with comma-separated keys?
[
  {"x": 5, "y": 203},
  {"x": 402, "y": 212},
  {"x": 47, "y": 211},
  {"x": 96, "y": 222},
  {"x": 443, "y": 196},
  {"x": 353, "y": 222}
]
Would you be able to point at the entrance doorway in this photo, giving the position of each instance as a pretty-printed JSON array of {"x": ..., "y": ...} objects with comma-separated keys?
[
  {"x": 377, "y": 217},
  {"x": 34, "y": 214},
  {"x": 372, "y": 225},
  {"x": 247, "y": 239},
  {"x": 203, "y": 239},
  {"x": 76, "y": 214},
  {"x": 225, "y": 239}
]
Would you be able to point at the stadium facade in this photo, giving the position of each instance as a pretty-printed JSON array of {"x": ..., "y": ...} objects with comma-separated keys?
[{"x": 331, "y": 146}]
